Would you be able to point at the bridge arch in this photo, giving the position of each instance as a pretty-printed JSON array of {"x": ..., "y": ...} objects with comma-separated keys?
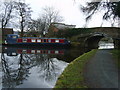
[{"x": 93, "y": 40}]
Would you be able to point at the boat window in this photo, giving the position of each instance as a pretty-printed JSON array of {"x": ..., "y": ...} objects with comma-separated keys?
[
  {"x": 49, "y": 40},
  {"x": 48, "y": 51},
  {"x": 33, "y": 40},
  {"x": 44, "y": 51},
  {"x": 56, "y": 41},
  {"x": 24, "y": 40},
  {"x": 14, "y": 37},
  {"x": 56, "y": 52},
  {"x": 38, "y": 40},
  {"x": 45, "y": 40},
  {"x": 24, "y": 51},
  {"x": 32, "y": 51},
  {"x": 38, "y": 51}
]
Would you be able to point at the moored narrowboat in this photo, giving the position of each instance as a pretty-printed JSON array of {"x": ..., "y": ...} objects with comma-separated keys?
[{"x": 13, "y": 39}]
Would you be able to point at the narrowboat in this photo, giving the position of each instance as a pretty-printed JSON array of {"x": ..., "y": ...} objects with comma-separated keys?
[{"x": 13, "y": 39}]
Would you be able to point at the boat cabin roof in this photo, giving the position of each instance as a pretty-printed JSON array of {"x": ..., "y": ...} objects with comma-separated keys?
[
  {"x": 12, "y": 35},
  {"x": 41, "y": 38},
  {"x": 9, "y": 35}
]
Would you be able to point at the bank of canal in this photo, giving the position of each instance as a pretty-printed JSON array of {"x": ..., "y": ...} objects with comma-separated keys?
[
  {"x": 72, "y": 77},
  {"x": 94, "y": 69},
  {"x": 116, "y": 55}
]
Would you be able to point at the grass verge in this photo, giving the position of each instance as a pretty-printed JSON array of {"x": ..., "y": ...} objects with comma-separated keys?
[
  {"x": 72, "y": 76},
  {"x": 116, "y": 55},
  {"x": 0, "y": 41},
  {"x": 75, "y": 44}
]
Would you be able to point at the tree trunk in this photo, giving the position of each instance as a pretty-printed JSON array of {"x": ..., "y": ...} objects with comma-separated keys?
[
  {"x": 22, "y": 27},
  {"x": 2, "y": 33}
]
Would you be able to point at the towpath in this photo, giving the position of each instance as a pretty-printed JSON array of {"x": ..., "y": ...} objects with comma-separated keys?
[{"x": 101, "y": 71}]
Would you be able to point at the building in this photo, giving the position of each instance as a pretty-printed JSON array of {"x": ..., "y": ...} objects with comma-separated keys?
[
  {"x": 55, "y": 27},
  {"x": 6, "y": 31},
  {"x": 58, "y": 29},
  {"x": 0, "y": 36}
]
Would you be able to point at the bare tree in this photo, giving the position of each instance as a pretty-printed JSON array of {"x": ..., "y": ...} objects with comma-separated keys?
[
  {"x": 50, "y": 15},
  {"x": 24, "y": 12},
  {"x": 37, "y": 26},
  {"x": 43, "y": 22},
  {"x": 111, "y": 8},
  {"x": 6, "y": 13}
]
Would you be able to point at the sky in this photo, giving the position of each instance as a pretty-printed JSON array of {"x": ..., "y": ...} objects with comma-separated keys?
[{"x": 69, "y": 10}]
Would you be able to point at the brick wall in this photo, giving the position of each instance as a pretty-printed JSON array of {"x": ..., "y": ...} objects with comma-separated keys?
[
  {"x": 6, "y": 31},
  {"x": 0, "y": 34}
]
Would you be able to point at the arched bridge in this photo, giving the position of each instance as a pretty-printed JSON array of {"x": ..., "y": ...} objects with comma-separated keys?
[{"x": 92, "y": 38}]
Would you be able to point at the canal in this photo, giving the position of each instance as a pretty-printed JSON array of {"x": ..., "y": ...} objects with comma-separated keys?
[{"x": 34, "y": 67}]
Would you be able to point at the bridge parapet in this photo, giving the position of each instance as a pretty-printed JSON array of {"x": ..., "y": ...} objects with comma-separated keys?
[
  {"x": 92, "y": 39},
  {"x": 109, "y": 31}
]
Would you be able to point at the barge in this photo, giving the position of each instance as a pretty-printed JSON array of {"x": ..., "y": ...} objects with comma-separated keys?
[{"x": 15, "y": 40}]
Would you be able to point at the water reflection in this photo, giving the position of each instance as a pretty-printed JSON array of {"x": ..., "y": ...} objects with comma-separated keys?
[{"x": 35, "y": 67}]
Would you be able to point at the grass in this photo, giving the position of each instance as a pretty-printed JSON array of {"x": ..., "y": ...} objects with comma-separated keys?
[
  {"x": 72, "y": 76},
  {"x": 75, "y": 44},
  {"x": 0, "y": 41},
  {"x": 116, "y": 55}
]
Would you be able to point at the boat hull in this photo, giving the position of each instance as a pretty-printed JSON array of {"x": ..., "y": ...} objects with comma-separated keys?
[{"x": 52, "y": 45}]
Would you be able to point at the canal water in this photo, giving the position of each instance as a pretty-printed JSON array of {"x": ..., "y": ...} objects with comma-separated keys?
[
  {"x": 104, "y": 45},
  {"x": 34, "y": 67}
]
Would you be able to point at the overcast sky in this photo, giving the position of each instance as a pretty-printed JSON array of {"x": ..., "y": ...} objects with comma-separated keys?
[{"x": 69, "y": 10}]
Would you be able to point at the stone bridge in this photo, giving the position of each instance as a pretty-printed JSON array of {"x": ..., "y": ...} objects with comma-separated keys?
[{"x": 91, "y": 39}]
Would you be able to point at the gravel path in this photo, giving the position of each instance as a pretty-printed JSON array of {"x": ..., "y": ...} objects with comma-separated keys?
[{"x": 101, "y": 72}]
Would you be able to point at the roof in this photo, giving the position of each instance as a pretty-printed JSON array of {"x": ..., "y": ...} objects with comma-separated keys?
[
  {"x": 63, "y": 26},
  {"x": 7, "y": 28},
  {"x": 41, "y": 38}
]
